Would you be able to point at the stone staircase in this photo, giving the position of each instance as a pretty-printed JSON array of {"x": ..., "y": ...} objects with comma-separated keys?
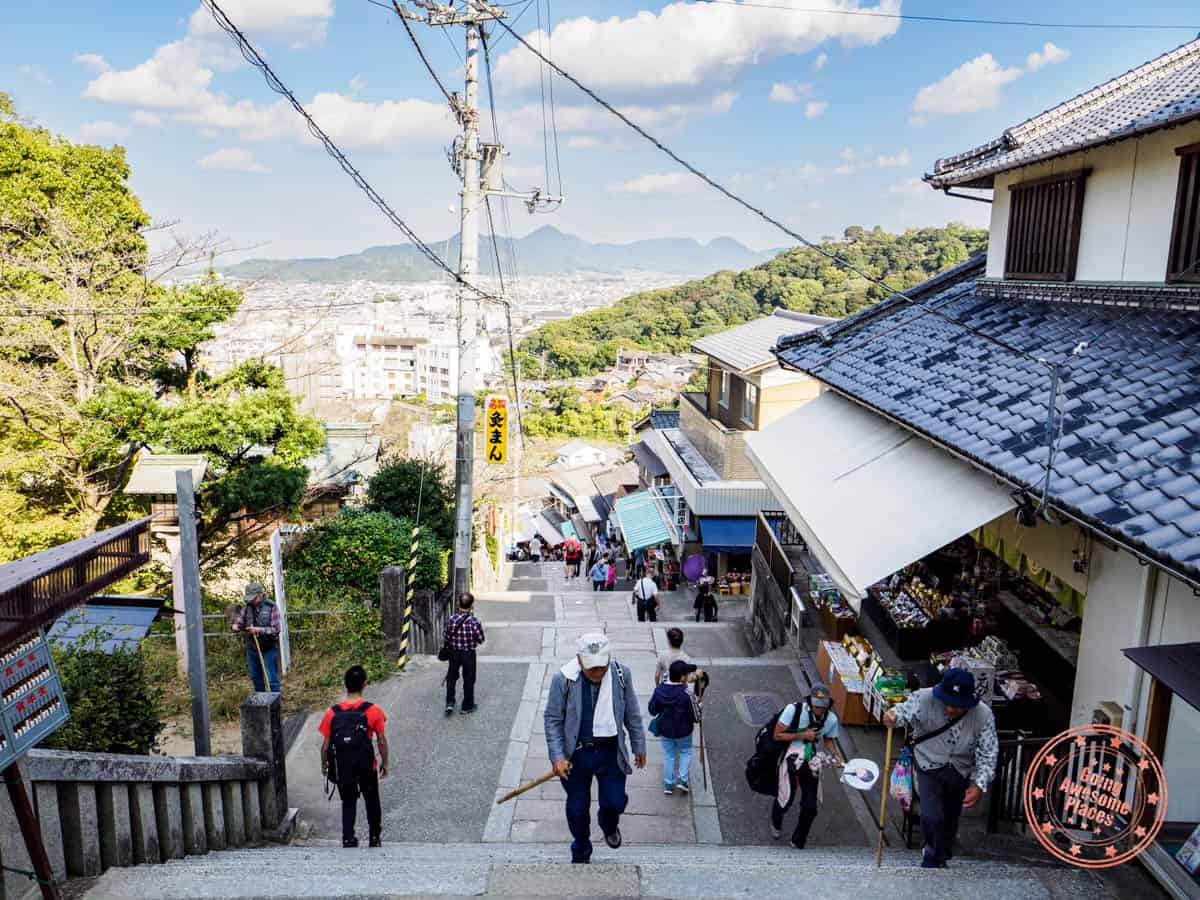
[{"x": 319, "y": 869}]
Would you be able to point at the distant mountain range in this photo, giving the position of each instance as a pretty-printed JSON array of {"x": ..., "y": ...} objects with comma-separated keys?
[{"x": 546, "y": 251}]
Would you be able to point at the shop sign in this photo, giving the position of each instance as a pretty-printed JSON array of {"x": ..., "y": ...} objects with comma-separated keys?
[
  {"x": 495, "y": 429},
  {"x": 1095, "y": 796},
  {"x": 32, "y": 704}
]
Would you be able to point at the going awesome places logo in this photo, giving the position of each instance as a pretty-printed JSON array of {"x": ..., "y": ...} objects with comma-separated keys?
[{"x": 1095, "y": 796}]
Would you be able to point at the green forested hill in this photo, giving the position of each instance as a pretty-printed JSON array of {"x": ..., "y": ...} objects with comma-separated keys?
[{"x": 669, "y": 319}]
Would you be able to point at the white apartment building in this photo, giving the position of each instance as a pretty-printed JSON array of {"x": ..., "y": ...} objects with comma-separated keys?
[{"x": 381, "y": 365}]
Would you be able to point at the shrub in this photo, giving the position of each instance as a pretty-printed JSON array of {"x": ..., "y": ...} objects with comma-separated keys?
[
  {"x": 114, "y": 706},
  {"x": 400, "y": 482}
]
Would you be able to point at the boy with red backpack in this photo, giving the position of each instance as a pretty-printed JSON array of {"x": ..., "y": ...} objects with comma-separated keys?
[{"x": 348, "y": 756}]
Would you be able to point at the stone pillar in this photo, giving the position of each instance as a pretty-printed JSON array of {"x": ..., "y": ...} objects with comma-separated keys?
[
  {"x": 235, "y": 814},
  {"x": 195, "y": 838},
  {"x": 81, "y": 829},
  {"x": 168, "y": 816},
  {"x": 171, "y": 539},
  {"x": 45, "y": 797},
  {"x": 391, "y": 609},
  {"x": 214, "y": 815},
  {"x": 116, "y": 834},
  {"x": 145, "y": 824},
  {"x": 252, "y": 812},
  {"x": 262, "y": 738}
]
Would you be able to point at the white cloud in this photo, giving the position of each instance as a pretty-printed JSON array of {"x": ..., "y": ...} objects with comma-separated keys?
[
  {"x": 233, "y": 159},
  {"x": 591, "y": 127},
  {"x": 174, "y": 77},
  {"x": 36, "y": 73},
  {"x": 815, "y": 108},
  {"x": 102, "y": 131},
  {"x": 910, "y": 187},
  {"x": 1047, "y": 56},
  {"x": 855, "y": 161},
  {"x": 357, "y": 83},
  {"x": 658, "y": 183},
  {"x": 709, "y": 44},
  {"x": 973, "y": 86},
  {"x": 93, "y": 61},
  {"x": 299, "y": 22},
  {"x": 782, "y": 92},
  {"x": 819, "y": 62},
  {"x": 146, "y": 118}
]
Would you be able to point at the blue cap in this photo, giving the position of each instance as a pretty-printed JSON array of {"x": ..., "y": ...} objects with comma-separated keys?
[
  {"x": 819, "y": 696},
  {"x": 957, "y": 688}
]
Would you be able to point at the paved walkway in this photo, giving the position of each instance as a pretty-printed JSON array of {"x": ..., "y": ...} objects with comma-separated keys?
[{"x": 447, "y": 771}]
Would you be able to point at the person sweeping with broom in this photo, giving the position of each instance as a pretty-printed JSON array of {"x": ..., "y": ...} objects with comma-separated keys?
[{"x": 259, "y": 622}]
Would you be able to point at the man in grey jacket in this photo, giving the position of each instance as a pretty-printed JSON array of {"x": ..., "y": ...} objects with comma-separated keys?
[
  {"x": 954, "y": 742},
  {"x": 591, "y": 701}
]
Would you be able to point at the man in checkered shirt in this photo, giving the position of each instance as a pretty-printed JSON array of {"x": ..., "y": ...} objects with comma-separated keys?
[{"x": 462, "y": 635}]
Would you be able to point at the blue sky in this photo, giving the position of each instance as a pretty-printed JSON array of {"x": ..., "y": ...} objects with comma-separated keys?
[{"x": 825, "y": 120}]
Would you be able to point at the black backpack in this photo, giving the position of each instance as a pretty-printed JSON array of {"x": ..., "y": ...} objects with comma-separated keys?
[
  {"x": 762, "y": 769},
  {"x": 350, "y": 750}
]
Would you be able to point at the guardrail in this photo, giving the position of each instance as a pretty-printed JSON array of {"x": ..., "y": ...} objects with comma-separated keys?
[
  {"x": 773, "y": 532},
  {"x": 1006, "y": 803}
]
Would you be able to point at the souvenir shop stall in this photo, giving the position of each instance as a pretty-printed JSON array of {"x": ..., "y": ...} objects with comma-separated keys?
[{"x": 663, "y": 566}]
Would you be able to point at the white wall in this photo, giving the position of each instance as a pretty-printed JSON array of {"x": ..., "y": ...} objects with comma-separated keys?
[{"x": 1128, "y": 205}]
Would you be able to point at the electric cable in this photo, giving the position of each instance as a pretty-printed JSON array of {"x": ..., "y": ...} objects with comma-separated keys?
[
  {"x": 553, "y": 111},
  {"x": 762, "y": 214},
  {"x": 253, "y": 57},
  {"x": 421, "y": 53},
  {"x": 953, "y": 20},
  {"x": 542, "y": 88}
]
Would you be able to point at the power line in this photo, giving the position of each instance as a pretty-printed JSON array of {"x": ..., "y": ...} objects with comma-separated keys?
[
  {"x": 421, "y": 53},
  {"x": 253, "y": 57},
  {"x": 953, "y": 20},
  {"x": 553, "y": 111},
  {"x": 766, "y": 217}
]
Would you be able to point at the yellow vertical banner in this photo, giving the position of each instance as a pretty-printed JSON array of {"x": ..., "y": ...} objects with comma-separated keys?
[{"x": 495, "y": 429}]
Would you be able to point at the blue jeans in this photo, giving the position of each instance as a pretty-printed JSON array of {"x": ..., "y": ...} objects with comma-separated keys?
[
  {"x": 271, "y": 658},
  {"x": 604, "y": 764},
  {"x": 672, "y": 748}
]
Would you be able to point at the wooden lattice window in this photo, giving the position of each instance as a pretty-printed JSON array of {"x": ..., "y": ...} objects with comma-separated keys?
[
  {"x": 1044, "y": 216},
  {"x": 1183, "y": 262}
]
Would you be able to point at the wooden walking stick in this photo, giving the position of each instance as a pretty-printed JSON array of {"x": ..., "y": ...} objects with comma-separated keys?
[
  {"x": 886, "y": 781},
  {"x": 232, "y": 613},
  {"x": 700, "y": 699},
  {"x": 529, "y": 786}
]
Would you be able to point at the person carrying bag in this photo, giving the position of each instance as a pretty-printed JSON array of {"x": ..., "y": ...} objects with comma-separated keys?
[{"x": 645, "y": 597}]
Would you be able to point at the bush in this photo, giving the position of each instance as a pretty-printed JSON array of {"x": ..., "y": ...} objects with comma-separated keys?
[
  {"x": 400, "y": 482},
  {"x": 114, "y": 706},
  {"x": 340, "y": 559}
]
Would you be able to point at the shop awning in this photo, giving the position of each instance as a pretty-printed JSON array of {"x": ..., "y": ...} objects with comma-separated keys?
[
  {"x": 549, "y": 533},
  {"x": 122, "y": 621},
  {"x": 581, "y": 526},
  {"x": 648, "y": 460},
  {"x": 868, "y": 496},
  {"x": 733, "y": 535},
  {"x": 1176, "y": 666},
  {"x": 641, "y": 522}
]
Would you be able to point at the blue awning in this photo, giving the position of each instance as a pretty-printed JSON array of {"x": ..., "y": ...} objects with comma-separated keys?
[
  {"x": 120, "y": 622},
  {"x": 641, "y": 522},
  {"x": 727, "y": 535}
]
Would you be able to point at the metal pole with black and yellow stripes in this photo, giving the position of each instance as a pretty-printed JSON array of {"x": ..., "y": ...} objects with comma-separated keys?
[{"x": 410, "y": 580}]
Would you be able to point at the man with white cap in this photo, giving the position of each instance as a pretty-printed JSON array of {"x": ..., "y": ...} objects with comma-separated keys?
[{"x": 591, "y": 701}]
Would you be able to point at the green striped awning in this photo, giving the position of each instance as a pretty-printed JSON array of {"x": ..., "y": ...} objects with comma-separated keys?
[{"x": 641, "y": 522}]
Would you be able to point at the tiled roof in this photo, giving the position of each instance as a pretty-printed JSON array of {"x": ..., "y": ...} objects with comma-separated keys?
[
  {"x": 747, "y": 347},
  {"x": 664, "y": 418},
  {"x": 1128, "y": 463},
  {"x": 1157, "y": 94}
]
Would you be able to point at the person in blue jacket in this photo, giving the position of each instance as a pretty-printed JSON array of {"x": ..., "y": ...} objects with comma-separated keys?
[{"x": 678, "y": 712}]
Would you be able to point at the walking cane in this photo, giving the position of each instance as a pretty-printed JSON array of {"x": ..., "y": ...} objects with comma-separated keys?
[
  {"x": 528, "y": 786},
  {"x": 885, "y": 781},
  {"x": 262, "y": 662},
  {"x": 700, "y": 698}
]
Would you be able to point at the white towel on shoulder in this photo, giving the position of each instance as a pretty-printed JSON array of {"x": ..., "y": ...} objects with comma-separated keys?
[{"x": 604, "y": 721}]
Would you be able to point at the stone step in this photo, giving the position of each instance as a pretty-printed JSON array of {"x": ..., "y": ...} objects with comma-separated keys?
[{"x": 542, "y": 870}]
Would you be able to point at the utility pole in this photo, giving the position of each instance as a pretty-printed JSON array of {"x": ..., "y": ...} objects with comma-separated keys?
[
  {"x": 189, "y": 552},
  {"x": 480, "y": 168}
]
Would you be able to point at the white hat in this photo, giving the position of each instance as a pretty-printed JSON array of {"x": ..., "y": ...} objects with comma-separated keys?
[{"x": 592, "y": 650}]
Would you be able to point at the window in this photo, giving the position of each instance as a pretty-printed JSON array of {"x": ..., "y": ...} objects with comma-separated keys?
[
  {"x": 750, "y": 404},
  {"x": 1183, "y": 262},
  {"x": 1044, "y": 216},
  {"x": 723, "y": 398}
]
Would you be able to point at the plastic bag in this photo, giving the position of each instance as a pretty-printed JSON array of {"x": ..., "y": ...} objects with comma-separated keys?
[{"x": 901, "y": 785}]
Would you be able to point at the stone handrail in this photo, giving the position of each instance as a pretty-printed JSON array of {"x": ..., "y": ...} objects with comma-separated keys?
[{"x": 99, "y": 810}]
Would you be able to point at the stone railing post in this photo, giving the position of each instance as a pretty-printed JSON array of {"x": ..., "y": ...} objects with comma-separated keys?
[
  {"x": 391, "y": 609},
  {"x": 262, "y": 738}
]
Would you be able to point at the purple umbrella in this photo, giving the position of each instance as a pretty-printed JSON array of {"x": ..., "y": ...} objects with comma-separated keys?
[{"x": 693, "y": 566}]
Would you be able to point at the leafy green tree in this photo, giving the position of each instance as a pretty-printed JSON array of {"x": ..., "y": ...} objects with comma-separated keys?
[{"x": 398, "y": 484}]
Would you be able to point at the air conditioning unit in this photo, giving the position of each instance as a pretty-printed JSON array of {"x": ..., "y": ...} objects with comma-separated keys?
[{"x": 1108, "y": 713}]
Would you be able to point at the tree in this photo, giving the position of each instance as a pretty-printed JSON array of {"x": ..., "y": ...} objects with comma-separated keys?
[
  {"x": 401, "y": 482},
  {"x": 99, "y": 359}
]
